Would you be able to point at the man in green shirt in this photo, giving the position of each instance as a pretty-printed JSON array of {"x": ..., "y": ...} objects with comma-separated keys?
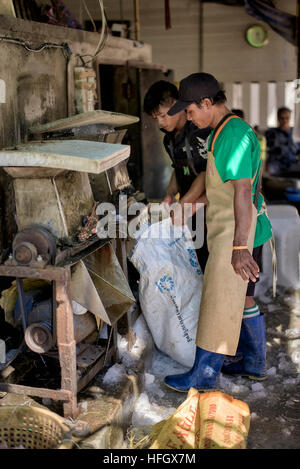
[
  {"x": 237, "y": 156},
  {"x": 236, "y": 232}
]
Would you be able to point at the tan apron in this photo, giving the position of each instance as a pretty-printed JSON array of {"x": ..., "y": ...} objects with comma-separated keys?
[{"x": 224, "y": 292}]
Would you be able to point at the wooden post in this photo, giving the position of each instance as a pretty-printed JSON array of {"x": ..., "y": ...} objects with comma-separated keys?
[{"x": 66, "y": 344}]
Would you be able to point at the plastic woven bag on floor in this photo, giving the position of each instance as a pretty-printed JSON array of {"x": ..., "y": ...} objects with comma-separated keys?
[
  {"x": 211, "y": 420},
  {"x": 170, "y": 288}
]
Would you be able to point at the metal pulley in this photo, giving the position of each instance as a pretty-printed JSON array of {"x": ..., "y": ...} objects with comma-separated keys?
[
  {"x": 34, "y": 246},
  {"x": 39, "y": 335}
]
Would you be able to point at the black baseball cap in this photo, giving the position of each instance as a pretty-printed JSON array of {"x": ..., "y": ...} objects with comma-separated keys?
[{"x": 194, "y": 88}]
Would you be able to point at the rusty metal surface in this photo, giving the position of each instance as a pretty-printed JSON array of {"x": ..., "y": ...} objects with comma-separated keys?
[
  {"x": 66, "y": 342},
  {"x": 38, "y": 338},
  {"x": 48, "y": 273},
  {"x": 71, "y": 255},
  {"x": 82, "y": 382},
  {"x": 40, "y": 238},
  {"x": 64, "y": 331},
  {"x": 25, "y": 253},
  {"x": 65, "y": 336},
  {"x": 89, "y": 355}
]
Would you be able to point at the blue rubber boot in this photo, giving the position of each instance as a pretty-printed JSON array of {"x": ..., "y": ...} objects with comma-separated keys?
[
  {"x": 251, "y": 349},
  {"x": 203, "y": 376}
]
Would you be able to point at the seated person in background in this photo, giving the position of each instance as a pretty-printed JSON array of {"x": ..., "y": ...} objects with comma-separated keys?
[
  {"x": 282, "y": 151},
  {"x": 185, "y": 143}
]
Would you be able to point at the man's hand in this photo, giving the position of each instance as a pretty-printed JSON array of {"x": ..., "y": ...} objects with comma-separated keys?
[
  {"x": 241, "y": 260},
  {"x": 180, "y": 212},
  {"x": 169, "y": 200},
  {"x": 244, "y": 265}
]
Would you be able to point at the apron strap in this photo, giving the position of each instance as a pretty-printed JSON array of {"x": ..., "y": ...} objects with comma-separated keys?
[
  {"x": 257, "y": 189},
  {"x": 217, "y": 131},
  {"x": 220, "y": 126}
]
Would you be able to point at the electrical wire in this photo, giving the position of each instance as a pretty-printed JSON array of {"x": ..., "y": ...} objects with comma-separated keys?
[
  {"x": 89, "y": 14},
  {"x": 65, "y": 47},
  {"x": 102, "y": 39},
  {"x": 46, "y": 45}
]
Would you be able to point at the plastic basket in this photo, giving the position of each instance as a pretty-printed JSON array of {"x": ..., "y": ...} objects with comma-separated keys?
[{"x": 31, "y": 428}]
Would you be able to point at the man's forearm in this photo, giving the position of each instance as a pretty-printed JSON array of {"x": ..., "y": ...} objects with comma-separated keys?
[
  {"x": 196, "y": 190},
  {"x": 242, "y": 211},
  {"x": 241, "y": 260}
]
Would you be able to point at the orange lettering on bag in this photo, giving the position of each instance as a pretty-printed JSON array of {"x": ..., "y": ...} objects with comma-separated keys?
[
  {"x": 212, "y": 409},
  {"x": 193, "y": 411},
  {"x": 190, "y": 421},
  {"x": 182, "y": 425},
  {"x": 180, "y": 436}
]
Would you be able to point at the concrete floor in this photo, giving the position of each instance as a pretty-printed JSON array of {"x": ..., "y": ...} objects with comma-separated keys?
[
  {"x": 123, "y": 402},
  {"x": 274, "y": 403}
]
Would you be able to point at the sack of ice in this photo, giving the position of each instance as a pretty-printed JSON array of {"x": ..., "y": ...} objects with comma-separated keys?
[{"x": 170, "y": 287}]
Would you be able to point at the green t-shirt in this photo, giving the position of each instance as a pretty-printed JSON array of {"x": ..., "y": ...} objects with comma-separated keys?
[{"x": 237, "y": 156}]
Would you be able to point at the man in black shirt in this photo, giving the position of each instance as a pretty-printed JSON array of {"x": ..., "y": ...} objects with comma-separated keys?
[{"x": 185, "y": 143}]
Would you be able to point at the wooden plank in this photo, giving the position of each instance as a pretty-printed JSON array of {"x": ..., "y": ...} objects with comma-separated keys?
[
  {"x": 114, "y": 119},
  {"x": 56, "y": 395},
  {"x": 48, "y": 273},
  {"x": 66, "y": 344},
  {"x": 73, "y": 155}
]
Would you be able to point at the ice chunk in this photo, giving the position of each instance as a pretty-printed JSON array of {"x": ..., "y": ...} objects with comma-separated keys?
[
  {"x": 115, "y": 374},
  {"x": 147, "y": 414},
  {"x": 291, "y": 333},
  {"x": 258, "y": 395},
  {"x": 272, "y": 371},
  {"x": 163, "y": 365},
  {"x": 290, "y": 382},
  {"x": 149, "y": 379},
  {"x": 152, "y": 387},
  {"x": 257, "y": 387},
  {"x": 296, "y": 356},
  {"x": 232, "y": 386}
]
